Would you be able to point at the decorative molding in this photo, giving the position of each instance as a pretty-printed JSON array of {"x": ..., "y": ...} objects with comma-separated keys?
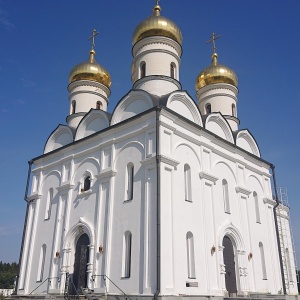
[
  {"x": 169, "y": 161},
  {"x": 65, "y": 186},
  {"x": 209, "y": 177},
  {"x": 243, "y": 190},
  {"x": 106, "y": 173},
  {"x": 148, "y": 161},
  {"x": 34, "y": 196},
  {"x": 269, "y": 201}
]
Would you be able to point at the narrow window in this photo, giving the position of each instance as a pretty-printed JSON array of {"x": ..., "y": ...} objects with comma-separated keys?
[
  {"x": 99, "y": 105},
  {"x": 190, "y": 255},
  {"x": 41, "y": 263},
  {"x": 288, "y": 264},
  {"x": 143, "y": 69},
  {"x": 187, "y": 183},
  {"x": 73, "y": 107},
  {"x": 233, "y": 110},
  {"x": 226, "y": 196},
  {"x": 256, "y": 207},
  {"x": 208, "y": 108},
  {"x": 263, "y": 262},
  {"x": 129, "y": 176},
  {"x": 86, "y": 184},
  {"x": 126, "y": 261},
  {"x": 49, "y": 204},
  {"x": 172, "y": 70}
]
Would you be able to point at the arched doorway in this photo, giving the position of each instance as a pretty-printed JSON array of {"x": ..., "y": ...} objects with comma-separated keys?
[
  {"x": 229, "y": 262},
  {"x": 80, "y": 262}
]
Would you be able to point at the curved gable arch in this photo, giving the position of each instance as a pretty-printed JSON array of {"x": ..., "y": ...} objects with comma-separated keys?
[
  {"x": 134, "y": 103},
  {"x": 256, "y": 179},
  {"x": 60, "y": 137},
  {"x": 139, "y": 146},
  {"x": 216, "y": 123},
  {"x": 229, "y": 229},
  {"x": 187, "y": 145},
  {"x": 91, "y": 163},
  {"x": 181, "y": 103},
  {"x": 55, "y": 174},
  {"x": 246, "y": 141},
  {"x": 220, "y": 162},
  {"x": 95, "y": 120}
]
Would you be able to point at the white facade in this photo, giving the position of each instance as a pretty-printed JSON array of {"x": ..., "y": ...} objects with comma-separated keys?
[{"x": 156, "y": 188}]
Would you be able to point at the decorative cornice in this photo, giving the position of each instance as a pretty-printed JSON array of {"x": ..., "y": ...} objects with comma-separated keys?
[
  {"x": 33, "y": 197},
  {"x": 157, "y": 77},
  {"x": 65, "y": 186},
  {"x": 243, "y": 190},
  {"x": 169, "y": 161},
  {"x": 106, "y": 173},
  {"x": 209, "y": 177},
  {"x": 148, "y": 161},
  {"x": 269, "y": 201}
]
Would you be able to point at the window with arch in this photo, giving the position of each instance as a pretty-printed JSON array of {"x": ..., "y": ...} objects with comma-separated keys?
[
  {"x": 208, "y": 108},
  {"x": 226, "y": 196},
  {"x": 143, "y": 69},
  {"x": 190, "y": 255},
  {"x": 256, "y": 204},
  {"x": 49, "y": 204},
  {"x": 172, "y": 70},
  {"x": 99, "y": 105},
  {"x": 73, "y": 107},
  {"x": 187, "y": 183},
  {"x": 129, "y": 179},
  {"x": 263, "y": 262},
  {"x": 288, "y": 264},
  {"x": 86, "y": 183},
  {"x": 233, "y": 110},
  {"x": 126, "y": 255},
  {"x": 41, "y": 265}
]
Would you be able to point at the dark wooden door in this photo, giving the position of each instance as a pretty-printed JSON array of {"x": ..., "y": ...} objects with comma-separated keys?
[
  {"x": 81, "y": 260},
  {"x": 230, "y": 276}
]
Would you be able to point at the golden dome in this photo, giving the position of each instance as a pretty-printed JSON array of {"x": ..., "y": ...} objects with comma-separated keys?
[
  {"x": 157, "y": 25},
  {"x": 216, "y": 73},
  {"x": 90, "y": 70}
]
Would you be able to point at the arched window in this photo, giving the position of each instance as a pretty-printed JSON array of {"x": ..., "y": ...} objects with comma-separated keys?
[
  {"x": 187, "y": 183},
  {"x": 73, "y": 107},
  {"x": 233, "y": 110},
  {"x": 126, "y": 259},
  {"x": 49, "y": 204},
  {"x": 208, "y": 108},
  {"x": 143, "y": 69},
  {"x": 190, "y": 255},
  {"x": 86, "y": 184},
  {"x": 99, "y": 105},
  {"x": 288, "y": 264},
  {"x": 226, "y": 196},
  {"x": 257, "y": 214},
  {"x": 263, "y": 262},
  {"x": 129, "y": 179},
  {"x": 172, "y": 70},
  {"x": 41, "y": 263}
]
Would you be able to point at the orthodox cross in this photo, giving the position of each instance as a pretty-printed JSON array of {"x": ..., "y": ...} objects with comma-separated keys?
[
  {"x": 94, "y": 33},
  {"x": 157, "y": 2},
  {"x": 213, "y": 37}
]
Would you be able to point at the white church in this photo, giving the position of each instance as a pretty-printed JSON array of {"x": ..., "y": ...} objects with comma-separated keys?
[{"x": 164, "y": 198}]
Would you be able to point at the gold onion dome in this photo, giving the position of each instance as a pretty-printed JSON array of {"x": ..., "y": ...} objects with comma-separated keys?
[
  {"x": 216, "y": 73},
  {"x": 157, "y": 25},
  {"x": 90, "y": 70}
]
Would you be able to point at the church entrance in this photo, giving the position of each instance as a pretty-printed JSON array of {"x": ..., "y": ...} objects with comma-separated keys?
[
  {"x": 80, "y": 263},
  {"x": 230, "y": 276}
]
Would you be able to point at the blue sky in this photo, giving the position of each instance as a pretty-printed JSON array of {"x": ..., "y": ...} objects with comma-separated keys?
[{"x": 40, "y": 42}]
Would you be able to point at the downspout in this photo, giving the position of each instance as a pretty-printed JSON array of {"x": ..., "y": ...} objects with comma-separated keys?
[
  {"x": 158, "y": 207},
  {"x": 277, "y": 230},
  {"x": 25, "y": 224}
]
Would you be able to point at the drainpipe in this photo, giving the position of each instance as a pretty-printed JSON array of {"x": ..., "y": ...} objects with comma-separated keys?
[
  {"x": 158, "y": 208},
  {"x": 25, "y": 224},
  {"x": 277, "y": 230}
]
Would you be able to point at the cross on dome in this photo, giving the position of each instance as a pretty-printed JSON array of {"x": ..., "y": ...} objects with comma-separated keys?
[
  {"x": 212, "y": 40},
  {"x": 94, "y": 33}
]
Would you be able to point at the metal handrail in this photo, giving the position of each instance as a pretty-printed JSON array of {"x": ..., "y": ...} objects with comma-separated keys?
[
  {"x": 104, "y": 278},
  {"x": 49, "y": 278},
  {"x": 69, "y": 281}
]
